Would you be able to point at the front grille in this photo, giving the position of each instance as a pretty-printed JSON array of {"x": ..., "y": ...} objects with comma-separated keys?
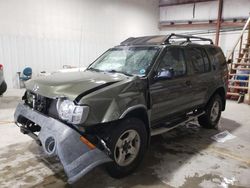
[{"x": 38, "y": 102}]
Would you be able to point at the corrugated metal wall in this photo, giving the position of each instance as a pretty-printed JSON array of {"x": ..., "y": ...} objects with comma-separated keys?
[
  {"x": 206, "y": 11},
  {"x": 47, "y": 34}
]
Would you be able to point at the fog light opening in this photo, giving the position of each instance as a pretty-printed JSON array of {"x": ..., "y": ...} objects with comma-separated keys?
[{"x": 50, "y": 145}]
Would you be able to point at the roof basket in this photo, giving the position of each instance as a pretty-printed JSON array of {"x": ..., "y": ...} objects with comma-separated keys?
[{"x": 188, "y": 38}]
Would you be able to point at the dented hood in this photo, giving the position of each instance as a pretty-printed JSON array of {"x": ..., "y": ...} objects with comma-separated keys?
[{"x": 72, "y": 84}]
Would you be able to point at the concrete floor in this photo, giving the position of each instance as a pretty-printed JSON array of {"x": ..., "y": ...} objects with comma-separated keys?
[{"x": 184, "y": 157}]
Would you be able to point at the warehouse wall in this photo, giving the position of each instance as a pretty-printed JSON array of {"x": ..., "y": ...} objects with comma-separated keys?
[
  {"x": 226, "y": 42},
  {"x": 47, "y": 34},
  {"x": 206, "y": 11}
]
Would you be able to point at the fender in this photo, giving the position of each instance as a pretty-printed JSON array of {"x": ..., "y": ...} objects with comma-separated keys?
[
  {"x": 132, "y": 108},
  {"x": 146, "y": 120},
  {"x": 222, "y": 92}
]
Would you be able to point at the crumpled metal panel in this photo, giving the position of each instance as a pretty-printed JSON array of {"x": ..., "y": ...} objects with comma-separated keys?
[{"x": 76, "y": 158}]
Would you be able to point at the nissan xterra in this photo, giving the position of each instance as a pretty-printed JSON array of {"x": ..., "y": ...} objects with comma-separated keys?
[{"x": 107, "y": 113}]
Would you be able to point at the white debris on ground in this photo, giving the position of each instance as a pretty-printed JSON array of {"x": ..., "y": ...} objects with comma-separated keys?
[
  {"x": 227, "y": 181},
  {"x": 223, "y": 136}
]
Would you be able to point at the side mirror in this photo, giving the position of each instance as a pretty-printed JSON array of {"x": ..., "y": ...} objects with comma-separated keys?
[{"x": 165, "y": 74}]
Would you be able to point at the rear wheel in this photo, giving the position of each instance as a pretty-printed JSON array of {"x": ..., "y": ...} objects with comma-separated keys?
[
  {"x": 3, "y": 87},
  {"x": 212, "y": 113},
  {"x": 128, "y": 143}
]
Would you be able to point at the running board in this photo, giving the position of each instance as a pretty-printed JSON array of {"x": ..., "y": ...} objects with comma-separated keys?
[{"x": 161, "y": 130}]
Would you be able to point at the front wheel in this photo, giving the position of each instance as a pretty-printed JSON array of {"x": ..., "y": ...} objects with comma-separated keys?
[
  {"x": 128, "y": 144},
  {"x": 212, "y": 113}
]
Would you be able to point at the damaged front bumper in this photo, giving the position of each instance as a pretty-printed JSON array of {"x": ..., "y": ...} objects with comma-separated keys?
[{"x": 58, "y": 139}]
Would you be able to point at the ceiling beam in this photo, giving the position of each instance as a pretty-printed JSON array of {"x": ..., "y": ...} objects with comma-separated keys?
[
  {"x": 193, "y": 25},
  {"x": 180, "y": 2}
]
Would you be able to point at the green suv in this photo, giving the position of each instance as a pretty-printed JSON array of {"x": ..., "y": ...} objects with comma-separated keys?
[{"x": 107, "y": 113}]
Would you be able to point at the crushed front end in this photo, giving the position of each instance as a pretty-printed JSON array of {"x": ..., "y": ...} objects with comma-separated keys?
[{"x": 38, "y": 117}]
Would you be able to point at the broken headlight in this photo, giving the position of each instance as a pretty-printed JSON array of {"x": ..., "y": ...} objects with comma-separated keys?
[{"x": 68, "y": 111}]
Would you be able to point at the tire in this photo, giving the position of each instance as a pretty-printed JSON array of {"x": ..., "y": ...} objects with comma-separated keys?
[
  {"x": 129, "y": 132},
  {"x": 212, "y": 114},
  {"x": 3, "y": 87}
]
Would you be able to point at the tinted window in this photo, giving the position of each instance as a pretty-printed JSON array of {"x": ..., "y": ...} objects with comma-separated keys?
[
  {"x": 216, "y": 56},
  {"x": 173, "y": 60},
  {"x": 196, "y": 57},
  {"x": 199, "y": 60},
  {"x": 206, "y": 61}
]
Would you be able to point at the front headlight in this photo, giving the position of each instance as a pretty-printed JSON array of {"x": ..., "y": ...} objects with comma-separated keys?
[{"x": 72, "y": 113}]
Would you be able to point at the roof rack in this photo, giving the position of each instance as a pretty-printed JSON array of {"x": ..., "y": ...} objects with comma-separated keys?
[
  {"x": 145, "y": 40},
  {"x": 162, "y": 39},
  {"x": 187, "y": 37}
]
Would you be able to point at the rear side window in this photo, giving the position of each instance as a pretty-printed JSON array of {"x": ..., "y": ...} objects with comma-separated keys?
[
  {"x": 206, "y": 61},
  {"x": 198, "y": 59},
  {"x": 216, "y": 56}
]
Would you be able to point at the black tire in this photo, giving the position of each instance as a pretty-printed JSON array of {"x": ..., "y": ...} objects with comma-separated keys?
[
  {"x": 208, "y": 120},
  {"x": 3, "y": 87},
  {"x": 114, "y": 169}
]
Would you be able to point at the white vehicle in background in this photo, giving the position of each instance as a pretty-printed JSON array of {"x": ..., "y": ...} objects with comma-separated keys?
[{"x": 3, "y": 85}]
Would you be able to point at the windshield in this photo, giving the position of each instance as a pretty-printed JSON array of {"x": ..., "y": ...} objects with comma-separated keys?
[{"x": 128, "y": 60}]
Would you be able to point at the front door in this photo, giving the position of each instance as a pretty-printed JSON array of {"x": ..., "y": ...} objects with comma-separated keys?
[{"x": 170, "y": 88}]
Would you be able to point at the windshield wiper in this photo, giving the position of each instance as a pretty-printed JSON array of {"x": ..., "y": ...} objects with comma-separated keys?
[
  {"x": 115, "y": 71},
  {"x": 93, "y": 69}
]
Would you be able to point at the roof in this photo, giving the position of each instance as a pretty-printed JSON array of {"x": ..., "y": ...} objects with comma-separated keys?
[{"x": 164, "y": 39}]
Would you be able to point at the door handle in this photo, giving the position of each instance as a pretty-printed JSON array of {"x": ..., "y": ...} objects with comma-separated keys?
[{"x": 188, "y": 83}]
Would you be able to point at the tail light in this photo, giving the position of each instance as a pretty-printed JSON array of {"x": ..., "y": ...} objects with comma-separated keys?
[{"x": 1, "y": 67}]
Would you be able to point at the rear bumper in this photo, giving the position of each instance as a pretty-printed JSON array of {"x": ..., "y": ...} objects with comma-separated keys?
[{"x": 58, "y": 139}]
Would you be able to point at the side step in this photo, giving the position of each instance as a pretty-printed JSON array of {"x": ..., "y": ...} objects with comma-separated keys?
[{"x": 169, "y": 126}]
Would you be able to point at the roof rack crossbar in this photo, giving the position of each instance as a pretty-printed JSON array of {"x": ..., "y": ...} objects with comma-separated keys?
[{"x": 187, "y": 37}]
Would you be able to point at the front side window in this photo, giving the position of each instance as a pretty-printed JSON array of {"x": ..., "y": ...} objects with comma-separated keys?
[
  {"x": 173, "y": 63},
  {"x": 127, "y": 60}
]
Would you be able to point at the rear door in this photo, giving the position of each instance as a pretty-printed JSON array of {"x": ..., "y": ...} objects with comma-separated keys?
[
  {"x": 169, "y": 96},
  {"x": 201, "y": 73}
]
